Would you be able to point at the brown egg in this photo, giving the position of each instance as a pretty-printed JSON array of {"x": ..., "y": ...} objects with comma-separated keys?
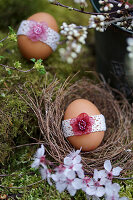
[
  {"x": 37, "y": 49},
  {"x": 89, "y": 141}
]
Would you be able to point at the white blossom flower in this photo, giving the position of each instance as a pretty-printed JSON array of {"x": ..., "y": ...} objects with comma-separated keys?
[
  {"x": 105, "y": 5},
  {"x": 97, "y": 22},
  {"x": 39, "y": 158},
  {"x": 126, "y": 6},
  {"x": 111, "y": 172},
  {"x": 119, "y": 4},
  {"x": 73, "y": 165},
  {"x": 112, "y": 191},
  {"x": 96, "y": 185}
]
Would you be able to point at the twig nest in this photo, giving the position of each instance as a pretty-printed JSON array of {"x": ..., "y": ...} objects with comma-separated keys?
[
  {"x": 38, "y": 36},
  {"x": 116, "y": 145}
]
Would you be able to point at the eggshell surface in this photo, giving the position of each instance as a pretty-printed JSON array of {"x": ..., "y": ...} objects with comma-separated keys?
[
  {"x": 89, "y": 141},
  {"x": 37, "y": 49}
]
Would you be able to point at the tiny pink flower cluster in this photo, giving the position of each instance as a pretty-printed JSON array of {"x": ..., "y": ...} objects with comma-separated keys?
[{"x": 70, "y": 176}]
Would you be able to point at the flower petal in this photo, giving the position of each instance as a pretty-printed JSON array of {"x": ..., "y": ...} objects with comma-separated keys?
[
  {"x": 61, "y": 186},
  {"x": 80, "y": 174},
  {"x": 43, "y": 173},
  {"x": 36, "y": 163},
  {"x": 71, "y": 190},
  {"x": 70, "y": 174},
  {"x": 108, "y": 188},
  {"x": 116, "y": 187},
  {"x": 107, "y": 165},
  {"x": 102, "y": 174},
  {"x": 68, "y": 161},
  {"x": 55, "y": 177},
  {"x": 90, "y": 190},
  {"x": 40, "y": 152},
  {"x": 77, "y": 183},
  {"x": 77, "y": 167},
  {"x": 96, "y": 175},
  {"x": 116, "y": 171},
  {"x": 77, "y": 159},
  {"x": 100, "y": 191}
]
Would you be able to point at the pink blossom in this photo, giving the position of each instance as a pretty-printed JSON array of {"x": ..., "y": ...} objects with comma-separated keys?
[
  {"x": 37, "y": 31},
  {"x": 85, "y": 183},
  {"x": 96, "y": 186},
  {"x": 82, "y": 124},
  {"x": 59, "y": 175},
  {"x": 111, "y": 172},
  {"x": 73, "y": 165}
]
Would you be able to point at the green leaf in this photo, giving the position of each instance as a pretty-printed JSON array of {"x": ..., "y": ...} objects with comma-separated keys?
[{"x": 33, "y": 60}]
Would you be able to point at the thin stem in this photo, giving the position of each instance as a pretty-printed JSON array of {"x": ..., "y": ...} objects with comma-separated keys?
[
  {"x": 89, "y": 13},
  {"x": 120, "y": 178},
  {"x": 14, "y": 68},
  {"x": 4, "y": 39},
  {"x": 75, "y": 9}
]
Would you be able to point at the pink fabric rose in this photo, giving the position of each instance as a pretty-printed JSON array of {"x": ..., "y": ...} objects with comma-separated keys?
[
  {"x": 82, "y": 124},
  {"x": 38, "y": 31}
]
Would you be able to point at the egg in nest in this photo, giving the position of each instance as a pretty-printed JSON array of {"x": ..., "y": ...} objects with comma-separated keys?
[{"x": 83, "y": 125}]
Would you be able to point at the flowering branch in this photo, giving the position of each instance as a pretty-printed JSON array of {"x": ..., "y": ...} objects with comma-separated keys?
[
  {"x": 112, "y": 11},
  {"x": 70, "y": 176},
  {"x": 54, "y": 2},
  {"x": 37, "y": 65},
  {"x": 14, "y": 68},
  {"x": 70, "y": 8}
]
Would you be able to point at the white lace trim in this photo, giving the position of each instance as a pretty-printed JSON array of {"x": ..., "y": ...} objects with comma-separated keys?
[
  {"x": 99, "y": 125},
  {"x": 52, "y": 38}
]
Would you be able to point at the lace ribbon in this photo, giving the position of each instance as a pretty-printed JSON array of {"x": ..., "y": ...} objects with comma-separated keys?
[
  {"x": 98, "y": 124},
  {"x": 39, "y": 31}
]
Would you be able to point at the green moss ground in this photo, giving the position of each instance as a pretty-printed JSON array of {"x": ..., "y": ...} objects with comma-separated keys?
[{"x": 17, "y": 122}]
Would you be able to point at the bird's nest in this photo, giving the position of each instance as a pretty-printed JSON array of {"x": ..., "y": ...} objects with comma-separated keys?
[{"x": 49, "y": 108}]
